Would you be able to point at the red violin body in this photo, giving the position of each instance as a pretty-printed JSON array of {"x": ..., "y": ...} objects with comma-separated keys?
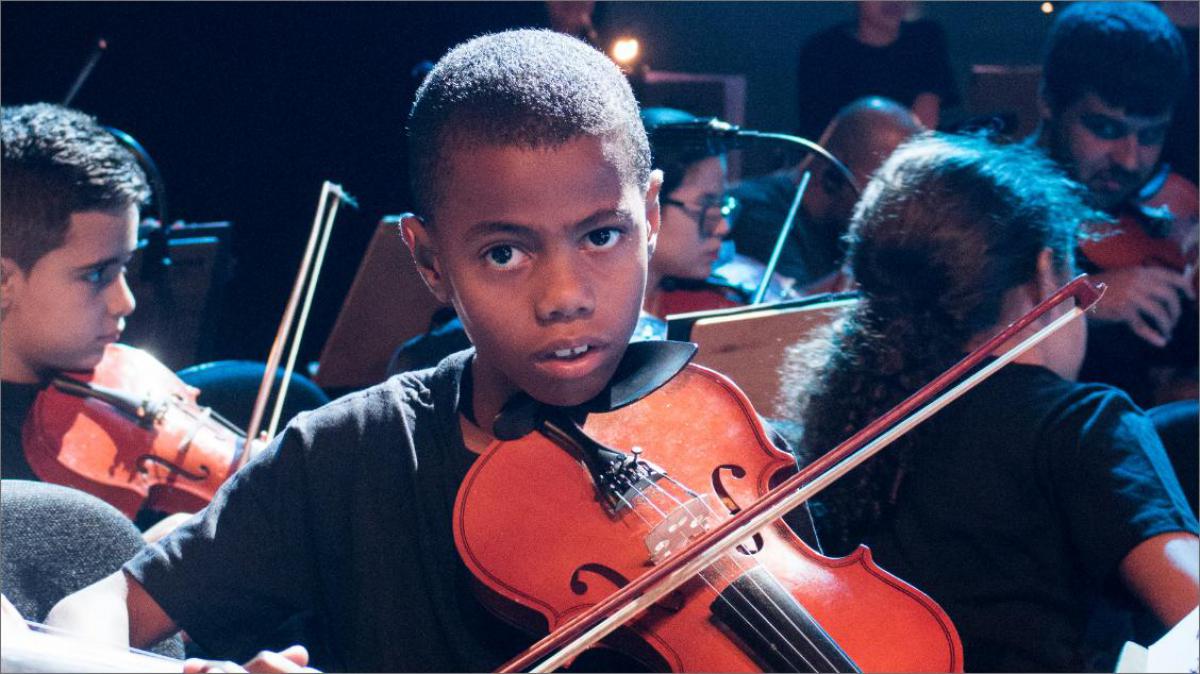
[
  {"x": 156, "y": 448},
  {"x": 532, "y": 528},
  {"x": 1159, "y": 230}
]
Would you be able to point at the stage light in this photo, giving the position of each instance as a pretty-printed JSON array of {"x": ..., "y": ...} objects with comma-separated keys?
[
  {"x": 1047, "y": 7},
  {"x": 625, "y": 50}
]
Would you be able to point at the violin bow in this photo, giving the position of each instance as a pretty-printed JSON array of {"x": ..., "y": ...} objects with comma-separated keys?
[
  {"x": 581, "y": 632},
  {"x": 332, "y": 195}
]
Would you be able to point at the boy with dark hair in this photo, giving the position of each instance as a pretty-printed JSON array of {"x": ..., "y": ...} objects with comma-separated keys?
[
  {"x": 68, "y": 225},
  {"x": 1112, "y": 74},
  {"x": 537, "y": 213}
]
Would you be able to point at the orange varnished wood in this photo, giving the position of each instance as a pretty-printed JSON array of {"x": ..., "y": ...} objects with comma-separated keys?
[
  {"x": 527, "y": 524},
  {"x": 87, "y": 444}
]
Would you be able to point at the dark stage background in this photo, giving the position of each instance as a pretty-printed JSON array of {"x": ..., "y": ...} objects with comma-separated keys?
[{"x": 247, "y": 107}]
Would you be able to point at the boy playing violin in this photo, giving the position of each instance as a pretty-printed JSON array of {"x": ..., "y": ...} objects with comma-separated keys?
[
  {"x": 68, "y": 225},
  {"x": 537, "y": 210}
]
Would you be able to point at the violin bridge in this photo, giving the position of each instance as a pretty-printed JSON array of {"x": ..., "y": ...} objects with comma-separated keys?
[{"x": 691, "y": 519}]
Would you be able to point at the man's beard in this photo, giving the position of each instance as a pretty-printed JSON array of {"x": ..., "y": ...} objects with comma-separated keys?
[{"x": 1105, "y": 200}]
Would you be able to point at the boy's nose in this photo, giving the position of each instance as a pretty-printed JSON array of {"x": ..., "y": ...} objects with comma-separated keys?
[
  {"x": 1124, "y": 152},
  {"x": 121, "y": 302},
  {"x": 565, "y": 294}
]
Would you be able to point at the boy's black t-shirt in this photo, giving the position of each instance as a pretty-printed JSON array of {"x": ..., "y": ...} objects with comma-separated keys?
[
  {"x": 15, "y": 403},
  {"x": 347, "y": 515},
  {"x": 1022, "y": 500}
]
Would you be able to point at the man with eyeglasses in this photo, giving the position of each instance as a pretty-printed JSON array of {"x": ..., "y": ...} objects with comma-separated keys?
[
  {"x": 1112, "y": 74},
  {"x": 862, "y": 135}
]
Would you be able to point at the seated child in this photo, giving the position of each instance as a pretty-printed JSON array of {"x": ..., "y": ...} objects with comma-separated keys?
[
  {"x": 537, "y": 211},
  {"x": 1016, "y": 504}
]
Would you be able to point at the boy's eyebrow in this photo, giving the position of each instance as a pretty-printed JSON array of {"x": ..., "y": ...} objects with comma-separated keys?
[
  {"x": 116, "y": 259},
  {"x": 480, "y": 229}
]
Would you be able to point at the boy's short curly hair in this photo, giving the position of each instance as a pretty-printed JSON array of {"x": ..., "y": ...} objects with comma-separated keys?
[
  {"x": 1127, "y": 53},
  {"x": 524, "y": 88},
  {"x": 58, "y": 161}
]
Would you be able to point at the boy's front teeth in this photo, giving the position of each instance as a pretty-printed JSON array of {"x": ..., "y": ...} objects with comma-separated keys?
[{"x": 567, "y": 353}]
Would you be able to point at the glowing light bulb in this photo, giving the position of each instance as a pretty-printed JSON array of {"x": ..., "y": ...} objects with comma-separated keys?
[
  {"x": 1047, "y": 7},
  {"x": 625, "y": 50}
]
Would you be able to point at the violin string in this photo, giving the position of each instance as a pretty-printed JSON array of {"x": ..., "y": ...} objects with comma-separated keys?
[
  {"x": 753, "y": 561},
  {"x": 733, "y": 588},
  {"x": 729, "y": 583},
  {"x": 189, "y": 408}
]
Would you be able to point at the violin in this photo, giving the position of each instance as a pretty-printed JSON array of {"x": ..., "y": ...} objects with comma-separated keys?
[
  {"x": 665, "y": 536},
  {"x": 773, "y": 603},
  {"x": 1157, "y": 228},
  {"x": 131, "y": 433},
  {"x": 731, "y": 284}
]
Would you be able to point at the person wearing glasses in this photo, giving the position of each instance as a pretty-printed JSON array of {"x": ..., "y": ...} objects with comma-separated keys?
[
  {"x": 695, "y": 218},
  {"x": 863, "y": 134}
]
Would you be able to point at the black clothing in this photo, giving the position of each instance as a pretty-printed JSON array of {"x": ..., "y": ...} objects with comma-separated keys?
[
  {"x": 1179, "y": 150},
  {"x": 1118, "y": 357},
  {"x": 1022, "y": 499},
  {"x": 15, "y": 402},
  {"x": 763, "y": 205},
  {"x": 347, "y": 514},
  {"x": 835, "y": 69}
]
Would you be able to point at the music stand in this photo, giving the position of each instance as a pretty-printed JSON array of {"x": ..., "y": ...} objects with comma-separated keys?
[
  {"x": 388, "y": 303},
  {"x": 749, "y": 344}
]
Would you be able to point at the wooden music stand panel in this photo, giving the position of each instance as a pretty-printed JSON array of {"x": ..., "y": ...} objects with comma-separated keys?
[
  {"x": 750, "y": 345},
  {"x": 388, "y": 303}
]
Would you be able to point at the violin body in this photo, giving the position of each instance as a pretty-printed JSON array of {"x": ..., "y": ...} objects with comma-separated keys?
[
  {"x": 529, "y": 525},
  {"x": 731, "y": 284},
  {"x": 168, "y": 455},
  {"x": 1158, "y": 230}
]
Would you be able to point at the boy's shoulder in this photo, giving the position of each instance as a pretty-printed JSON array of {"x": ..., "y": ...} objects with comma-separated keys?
[{"x": 413, "y": 401}]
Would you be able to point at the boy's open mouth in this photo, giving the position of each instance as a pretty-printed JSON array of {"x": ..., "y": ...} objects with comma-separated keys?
[
  {"x": 568, "y": 359},
  {"x": 572, "y": 352}
]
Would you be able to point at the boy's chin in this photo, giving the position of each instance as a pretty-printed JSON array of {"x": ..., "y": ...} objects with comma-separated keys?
[{"x": 80, "y": 363}]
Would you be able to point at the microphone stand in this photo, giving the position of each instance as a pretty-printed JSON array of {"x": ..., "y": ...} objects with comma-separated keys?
[{"x": 790, "y": 220}]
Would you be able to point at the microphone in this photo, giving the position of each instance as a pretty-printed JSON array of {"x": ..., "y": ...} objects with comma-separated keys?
[{"x": 718, "y": 137}]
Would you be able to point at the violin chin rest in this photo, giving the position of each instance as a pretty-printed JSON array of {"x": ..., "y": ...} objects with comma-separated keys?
[{"x": 644, "y": 368}]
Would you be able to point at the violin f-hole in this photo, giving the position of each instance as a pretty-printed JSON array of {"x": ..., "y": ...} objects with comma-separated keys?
[
  {"x": 737, "y": 472},
  {"x": 673, "y": 602}
]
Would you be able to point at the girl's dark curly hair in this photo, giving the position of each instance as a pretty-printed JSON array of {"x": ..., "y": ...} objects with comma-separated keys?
[{"x": 946, "y": 226}]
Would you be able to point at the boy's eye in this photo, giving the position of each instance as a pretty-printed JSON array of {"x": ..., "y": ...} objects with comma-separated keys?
[
  {"x": 1103, "y": 127},
  {"x": 100, "y": 277},
  {"x": 606, "y": 237},
  {"x": 503, "y": 256}
]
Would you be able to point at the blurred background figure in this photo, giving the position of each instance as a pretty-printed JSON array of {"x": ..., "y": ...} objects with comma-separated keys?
[
  {"x": 1112, "y": 75},
  {"x": 862, "y": 135},
  {"x": 574, "y": 17},
  {"x": 880, "y": 54},
  {"x": 1179, "y": 150},
  {"x": 695, "y": 208}
]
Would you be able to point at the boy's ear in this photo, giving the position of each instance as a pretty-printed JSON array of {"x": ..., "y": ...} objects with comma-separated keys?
[
  {"x": 653, "y": 212},
  {"x": 1048, "y": 279},
  {"x": 420, "y": 243},
  {"x": 10, "y": 279}
]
